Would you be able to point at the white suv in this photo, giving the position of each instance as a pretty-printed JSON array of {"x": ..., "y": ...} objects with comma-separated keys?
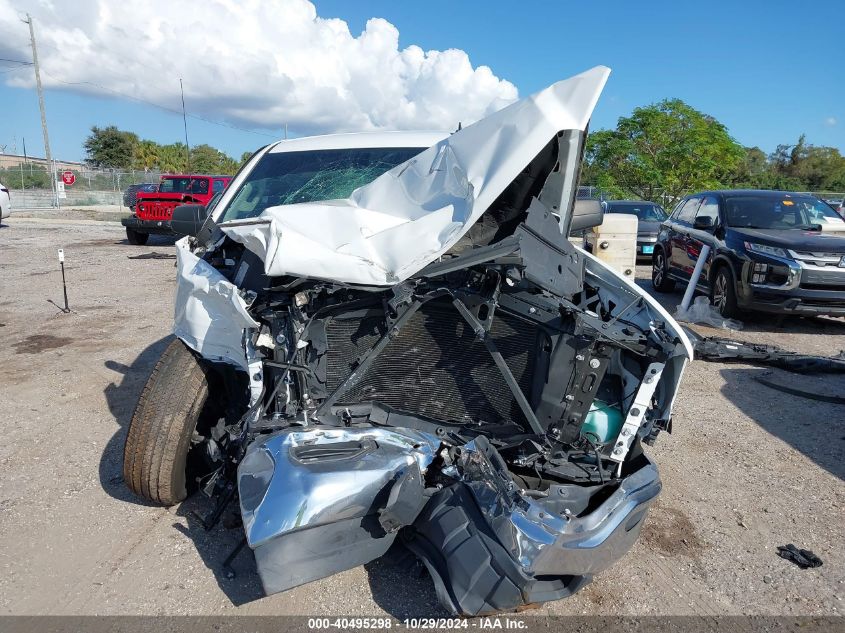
[{"x": 5, "y": 202}]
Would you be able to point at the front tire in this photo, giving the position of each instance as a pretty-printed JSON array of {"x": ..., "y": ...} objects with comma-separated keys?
[
  {"x": 660, "y": 273},
  {"x": 723, "y": 293},
  {"x": 135, "y": 238},
  {"x": 174, "y": 402}
]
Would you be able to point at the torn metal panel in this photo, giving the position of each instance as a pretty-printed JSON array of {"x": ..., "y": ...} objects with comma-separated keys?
[
  {"x": 539, "y": 532},
  {"x": 317, "y": 501},
  {"x": 491, "y": 546},
  {"x": 391, "y": 228},
  {"x": 211, "y": 316}
]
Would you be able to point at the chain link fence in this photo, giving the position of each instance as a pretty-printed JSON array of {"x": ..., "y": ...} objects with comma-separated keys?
[{"x": 29, "y": 186}]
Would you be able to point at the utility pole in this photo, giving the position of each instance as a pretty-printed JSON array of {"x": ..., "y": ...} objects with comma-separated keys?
[
  {"x": 50, "y": 168},
  {"x": 185, "y": 123}
]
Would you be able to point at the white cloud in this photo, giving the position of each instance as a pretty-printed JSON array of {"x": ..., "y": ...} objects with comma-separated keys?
[
  {"x": 259, "y": 63},
  {"x": 830, "y": 121}
]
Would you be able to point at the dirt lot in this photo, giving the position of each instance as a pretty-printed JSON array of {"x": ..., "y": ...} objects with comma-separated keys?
[{"x": 747, "y": 469}]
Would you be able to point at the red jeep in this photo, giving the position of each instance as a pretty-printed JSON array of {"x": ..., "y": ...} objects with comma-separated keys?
[{"x": 153, "y": 210}]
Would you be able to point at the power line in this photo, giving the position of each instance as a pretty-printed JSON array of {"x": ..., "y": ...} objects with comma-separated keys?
[
  {"x": 144, "y": 101},
  {"x": 15, "y": 61},
  {"x": 157, "y": 105}
]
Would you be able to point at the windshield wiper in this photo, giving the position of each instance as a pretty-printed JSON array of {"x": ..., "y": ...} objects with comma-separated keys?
[{"x": 808, "y": 227}]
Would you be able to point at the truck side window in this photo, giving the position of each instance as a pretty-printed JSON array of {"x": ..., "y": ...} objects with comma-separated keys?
[
  {"x": 200, "y": 185},
  {"x": 217, "y": 186}
]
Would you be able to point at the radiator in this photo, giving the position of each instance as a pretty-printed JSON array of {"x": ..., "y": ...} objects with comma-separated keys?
[{"x": 435, "y": 366}]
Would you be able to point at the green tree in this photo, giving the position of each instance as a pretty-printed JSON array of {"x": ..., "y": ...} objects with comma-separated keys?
[
  {"x": 208, "y": 160},
  {"x": 661, "y": 152},
  {"x": 110, "y": 147},
  {"x": 173, "y": 158},
  {"x": 805, "y": 167},
  {"x": 146, "y": 155}
]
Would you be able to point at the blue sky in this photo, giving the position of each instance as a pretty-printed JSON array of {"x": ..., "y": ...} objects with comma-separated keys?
[{"x": 768, "y": 70}]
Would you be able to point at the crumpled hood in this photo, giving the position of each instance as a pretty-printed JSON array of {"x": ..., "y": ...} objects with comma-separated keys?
[{"x": 391, "y": 228}]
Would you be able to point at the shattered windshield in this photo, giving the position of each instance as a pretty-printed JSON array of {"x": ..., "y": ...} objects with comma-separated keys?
[{"x": 311, "y": 176}]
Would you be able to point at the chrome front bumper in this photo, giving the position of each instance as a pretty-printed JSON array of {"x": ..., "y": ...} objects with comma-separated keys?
[
  {"x": 316, "y": 501},
  {"x": 545, "y": 541}
]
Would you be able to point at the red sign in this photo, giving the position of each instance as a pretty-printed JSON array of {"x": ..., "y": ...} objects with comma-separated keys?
[{"x": 68, "y": 177}]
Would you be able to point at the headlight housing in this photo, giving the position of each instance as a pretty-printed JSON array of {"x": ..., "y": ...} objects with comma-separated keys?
[{"x": 764, "y": 249}]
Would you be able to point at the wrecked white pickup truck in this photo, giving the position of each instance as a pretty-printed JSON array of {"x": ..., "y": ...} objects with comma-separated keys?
[{"x": 388, "y": 339}]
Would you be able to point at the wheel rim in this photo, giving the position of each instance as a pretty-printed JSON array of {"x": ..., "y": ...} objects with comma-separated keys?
[
  {"x": 657, "y": 270},
  {"x": 720, "y": 292}
]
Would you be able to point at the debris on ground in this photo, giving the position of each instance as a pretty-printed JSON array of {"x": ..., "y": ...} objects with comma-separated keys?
[
  {"x": 153, "y": 255},
  {"x": 713, "y": 348},
  {"x": 804, "y": 558},
  {"x": 701, "y": 311}
]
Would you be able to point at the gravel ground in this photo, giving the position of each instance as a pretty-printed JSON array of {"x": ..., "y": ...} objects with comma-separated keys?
[{"x": 747, "y": 469}]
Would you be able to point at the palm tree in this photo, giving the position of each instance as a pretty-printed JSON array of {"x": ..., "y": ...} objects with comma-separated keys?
[{"x": 146, "y": 155}]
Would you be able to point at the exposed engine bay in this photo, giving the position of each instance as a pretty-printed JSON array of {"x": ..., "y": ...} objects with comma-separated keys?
[{"x": 487, "y": 411}]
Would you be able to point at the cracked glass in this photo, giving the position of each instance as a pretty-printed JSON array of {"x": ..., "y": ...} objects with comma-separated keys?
[{"x": 311, "y": 176}]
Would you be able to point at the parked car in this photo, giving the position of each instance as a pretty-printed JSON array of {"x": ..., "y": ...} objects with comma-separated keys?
[
  {"x": 131, "y": 194},
  {"x": 773, "y": 251},
  {"x": 153, "y": 210},
  {"x": 649, "y": 216},
  {"x": 376, "y": 338},
  {"x": 5, "y": 202}
]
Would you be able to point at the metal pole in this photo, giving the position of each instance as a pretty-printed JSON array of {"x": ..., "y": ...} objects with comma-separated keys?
[
  {"x": 64, "y": 282},
  {"x": 43, "y": 112},
  {"x": 23, "y": 186},
  {"x": 185, "y": 123},
  {"x": 56, "y": 174},
  {"x": 696, "y": 273}
]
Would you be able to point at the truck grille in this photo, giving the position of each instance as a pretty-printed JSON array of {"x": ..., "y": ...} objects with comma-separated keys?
[
  {"x": 154, "y": 211},
  {"x": 435, "y": 366}
]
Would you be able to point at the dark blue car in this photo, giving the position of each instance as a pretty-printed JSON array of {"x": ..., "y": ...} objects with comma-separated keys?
[{"x": 773, "y": 251}]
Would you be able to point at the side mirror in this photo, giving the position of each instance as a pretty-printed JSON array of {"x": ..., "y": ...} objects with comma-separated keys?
[
  {"x": 586, "y": 214},
  {"x": 188, "y": 219},
  {"x": 705, "y": 223}
]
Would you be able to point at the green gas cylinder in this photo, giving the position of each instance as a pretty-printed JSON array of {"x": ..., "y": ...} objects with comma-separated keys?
[{"x": 603, "y": 422}]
